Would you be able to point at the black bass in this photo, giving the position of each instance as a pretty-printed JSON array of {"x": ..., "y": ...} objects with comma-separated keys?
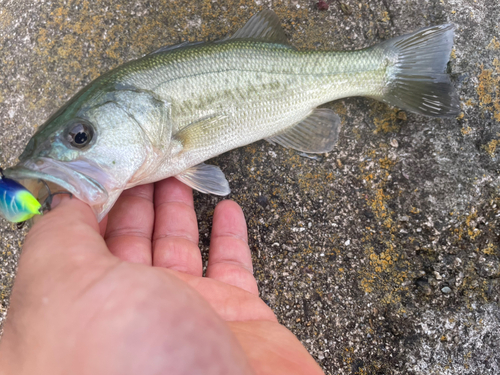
[{"x": 166, "y": 113}]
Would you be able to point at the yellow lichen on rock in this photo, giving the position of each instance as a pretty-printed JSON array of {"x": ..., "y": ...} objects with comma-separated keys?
[
  {"x": 488, "y": 89},
  {"x": 386, "y": 269},
  {"x": 494, "y": 44},
  {"x": 466, "y": 130},
  {"x": 386, "y": 119},
  {"x": 491, "y": 147},
  {"x": 5, "y": 19},
  {"x": 490, "y": 249}
]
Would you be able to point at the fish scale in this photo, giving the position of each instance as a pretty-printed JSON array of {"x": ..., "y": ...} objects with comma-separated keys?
[{"x": 262, "y": 93}]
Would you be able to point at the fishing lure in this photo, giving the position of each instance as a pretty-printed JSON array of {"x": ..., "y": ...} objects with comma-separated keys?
[{"x": 17, "y": 204}]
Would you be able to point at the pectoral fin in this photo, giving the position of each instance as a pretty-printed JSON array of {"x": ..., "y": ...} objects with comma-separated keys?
[
  {"x": 316, "y": 134},
  {"x": 206, "y": 179},
  {"x": 201, "y": 133}
]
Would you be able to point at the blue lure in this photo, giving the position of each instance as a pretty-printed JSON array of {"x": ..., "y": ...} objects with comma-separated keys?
[{"x": 17, "y": 204}]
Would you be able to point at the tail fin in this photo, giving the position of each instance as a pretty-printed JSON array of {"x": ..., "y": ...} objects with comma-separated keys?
[{"x": 416, "y": 78}]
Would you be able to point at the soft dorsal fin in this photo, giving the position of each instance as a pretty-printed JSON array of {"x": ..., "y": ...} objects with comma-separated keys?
[
  {"x": 174, "y": 46},
  {"x": 264, "y": 26},
  {"x": 316, "y": 134},
  {"x": 205, "y": 178}
]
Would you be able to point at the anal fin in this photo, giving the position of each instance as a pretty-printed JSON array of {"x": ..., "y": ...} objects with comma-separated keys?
[
  {"x": 316, "y": 134},
  {"x": 205, "y": 178}
]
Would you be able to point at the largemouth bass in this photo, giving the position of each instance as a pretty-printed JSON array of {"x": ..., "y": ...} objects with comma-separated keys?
[{"x": 166, "y": 113}]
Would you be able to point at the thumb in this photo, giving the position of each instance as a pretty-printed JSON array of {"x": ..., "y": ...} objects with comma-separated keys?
[{"x": 69, "y": 230}]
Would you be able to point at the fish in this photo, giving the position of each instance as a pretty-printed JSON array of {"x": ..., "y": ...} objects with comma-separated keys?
[
  {"x": 171, "y": 110},
  {"x": 17, "y": 204}
]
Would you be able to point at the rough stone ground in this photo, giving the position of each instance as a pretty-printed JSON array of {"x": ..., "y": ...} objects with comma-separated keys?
[{"x": 383, "y": 256}]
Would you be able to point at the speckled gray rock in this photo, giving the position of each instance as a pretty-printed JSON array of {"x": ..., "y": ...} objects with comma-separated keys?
[{"x": 353, "y": 250}]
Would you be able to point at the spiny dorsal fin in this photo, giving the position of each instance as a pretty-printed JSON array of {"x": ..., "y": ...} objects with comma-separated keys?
[
  {"x": 316, "y": 134},
  {"x": 264, "y": 26},
  {"x": 205, "y": 178}
]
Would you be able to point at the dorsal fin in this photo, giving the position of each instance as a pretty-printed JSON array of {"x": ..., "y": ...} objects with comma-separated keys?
[
  {"x": 264, "y": 26},
  {"x": 174, "y": 46}
]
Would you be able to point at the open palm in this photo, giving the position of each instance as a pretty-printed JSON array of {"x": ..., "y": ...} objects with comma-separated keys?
[{"x": 134, "y": 300}]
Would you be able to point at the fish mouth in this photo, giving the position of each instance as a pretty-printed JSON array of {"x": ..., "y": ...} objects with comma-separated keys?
[{"x": 79, "y": 177}]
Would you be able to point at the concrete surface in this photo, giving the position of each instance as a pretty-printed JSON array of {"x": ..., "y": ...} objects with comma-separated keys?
[{"x": 383, "y": 256}]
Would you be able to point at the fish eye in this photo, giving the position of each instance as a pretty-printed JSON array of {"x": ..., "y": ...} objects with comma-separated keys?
[{"x": 79, "y": 133}]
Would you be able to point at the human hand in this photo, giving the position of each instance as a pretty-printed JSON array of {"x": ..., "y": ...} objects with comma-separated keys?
[{"x": 135, "y": 301}]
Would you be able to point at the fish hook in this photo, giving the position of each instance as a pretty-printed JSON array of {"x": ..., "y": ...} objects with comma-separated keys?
[{"x": 47, "y": 203}]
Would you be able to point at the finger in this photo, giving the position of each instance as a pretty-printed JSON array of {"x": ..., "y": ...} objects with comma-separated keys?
[
  {"x": 102, "y": 225},
  {"x": 229, "y": 259},
  {"x": 130, "y": 225},
  {"x": 70, "y": 229},
  {"x": 175, "y": 238}
]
